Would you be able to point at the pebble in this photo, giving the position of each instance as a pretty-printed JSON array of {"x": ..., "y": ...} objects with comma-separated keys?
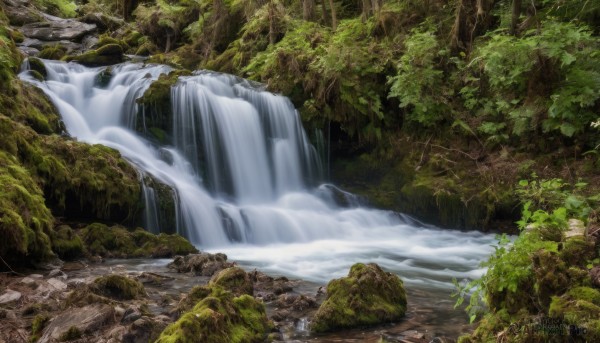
[{"x": 10, "y": 296}]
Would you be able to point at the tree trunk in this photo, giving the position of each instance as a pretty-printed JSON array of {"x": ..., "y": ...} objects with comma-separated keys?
[
  {"x": 516, "y": 13},
  {"x": 333, "y": 15},
  {"x": 325, "y": 14},
  {"x": 367, "y": 9},
  {"x": 376, "y": 5},
  {"x": 308, "y": 10}
]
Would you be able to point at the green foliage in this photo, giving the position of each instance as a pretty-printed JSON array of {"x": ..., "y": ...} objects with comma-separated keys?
[
  {"x": 60, "y": 8},
  {"x": 418, "y": 84},
  {"x": 526, "y": 277},
  {"x": 546, "y": 79}
]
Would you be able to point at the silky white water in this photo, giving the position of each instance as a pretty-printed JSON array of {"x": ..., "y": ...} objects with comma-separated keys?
[{"x": 244, "y": 177}]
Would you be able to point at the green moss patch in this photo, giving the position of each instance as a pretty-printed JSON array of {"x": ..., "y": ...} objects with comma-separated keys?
[
  {"x": 220, "y": 317},
  {"x": 367, "y": 296},
  {"x": 117, "y": 241},
  {"x": 235, "y": 280},
  {"x": 118, "y": 287}
]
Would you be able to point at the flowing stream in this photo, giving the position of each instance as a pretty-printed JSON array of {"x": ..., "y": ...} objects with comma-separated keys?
[{"x": 246, "y": 181}]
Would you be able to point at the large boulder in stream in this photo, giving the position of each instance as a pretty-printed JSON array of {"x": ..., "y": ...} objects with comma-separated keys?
[
  {"x": 220, "y": 317},
  {"x": 367, "y": 296}
]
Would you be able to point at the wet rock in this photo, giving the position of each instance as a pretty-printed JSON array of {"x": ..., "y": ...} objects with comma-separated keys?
[
  {"x": 56, "y": 30},
  {"x": 21, "y": 12},
  {"x": 268, "y": 287},
  {"x": 131, "y": 315},
  {"x": 144, "y": 330},
  {"x": 87, "y": 319},
  {"x": 203, "y": 264},
  {"x": 102, "y": 21},
  {"x": 57, "y": 284},
  {"x": 235, "y": 280},
  {"x": 29, "y": 282},
  {"x": 57, "y": 273},
  {"x": 367, "y": 296},
  {"x": 10, "y": 296},
  {"x": 296, "y": 302}
]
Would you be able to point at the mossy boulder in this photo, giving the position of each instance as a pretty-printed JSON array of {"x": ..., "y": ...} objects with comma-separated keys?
[
  {"x": 66, "y": 244},
  {"x": 220, "y": 317},
  {"x": 53, "y": 52},
  {"x": 155, "y": 117},
  {"x": 235, "y": 280},
  {"x": 117, "y": 241},
  {"x": 578, "y": 250},
  {"x": 37, "y": 65},
  {"x": 25, "y": 221},
  {"x": 105, "y": 55},
  {"x": 579, "y": 307},
  {"x": 92, "y": 181},
  {"x": 118, "y": 287},
  {"x": 367, "y": 296}
]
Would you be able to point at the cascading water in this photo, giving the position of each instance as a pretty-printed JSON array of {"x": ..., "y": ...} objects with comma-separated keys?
[{"x": 243, "y": 175}]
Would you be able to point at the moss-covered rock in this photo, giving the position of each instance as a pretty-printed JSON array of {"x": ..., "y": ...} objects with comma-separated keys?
[
  {"x": 155, "y": 117},
  {"x": 118, "y": 287},
  {"x": 53, "y": 52},
  {"x": 25, "y": 221},
  {"x": 220, "y": 318},
  {"x": 105, "y": 55},
  {"x": 235, "y": 280},
  {"x": 117, "y": 241},
  {"x": 37, "y": 65},
  {"x": 367, "y": 296},
  {"x": 578, "y": 250},
  {"x": 66, "y": 244}
]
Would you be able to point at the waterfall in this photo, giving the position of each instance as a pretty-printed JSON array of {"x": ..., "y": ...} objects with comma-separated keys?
[{"x": 244, "y": 174}]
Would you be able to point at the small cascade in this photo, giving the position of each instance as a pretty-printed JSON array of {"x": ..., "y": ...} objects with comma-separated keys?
[{"x": 239, "y": 172}]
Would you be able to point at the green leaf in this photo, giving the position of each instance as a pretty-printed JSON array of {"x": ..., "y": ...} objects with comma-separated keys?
[{"x": 567, "y": 129}]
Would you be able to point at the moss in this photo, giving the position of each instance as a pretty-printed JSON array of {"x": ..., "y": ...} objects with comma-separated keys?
[
  {"x": 37, "y": 65},
  {"x": 367, "y": 296},
  {"x": 577, "y": 251},
  {"x": 25, "y": 221},
  {"x": 220, "y": 317},
  {"x": 107, "y": 241},
  {"x": 92, "y": 181},
  {"x": 235, "y": 280},
  {"x": 117, "y": 241},
  {"x": 60, "y": 8},
  {"x": 71, "y": 334},
  {"x": 52, "y": 52},
  {"x": 118, "y": 287},
  {"x": 155, "y": 117},
  {"x": 37, "y": 325},
  {"x": 66, "y": 244},
  {"x": 102, "y": 80},
  {"x": 105, "y": 55},
  {"x": 161, "y": 246}
]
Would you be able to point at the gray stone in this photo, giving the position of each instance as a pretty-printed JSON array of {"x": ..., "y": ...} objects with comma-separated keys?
[
  {"x": 576, "y": 228},
  {"x": 63, "y": 29},
  {"x": 10, "y": 296},
  {"x": 57, "y": 273},
  {"x": 57, "y": 284},
  {"x": 87, "y": 319},
  {"x": 28, "y": 281}
]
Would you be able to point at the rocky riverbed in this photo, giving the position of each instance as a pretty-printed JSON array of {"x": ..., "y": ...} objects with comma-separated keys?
[{"x": 135, "y": 300}]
